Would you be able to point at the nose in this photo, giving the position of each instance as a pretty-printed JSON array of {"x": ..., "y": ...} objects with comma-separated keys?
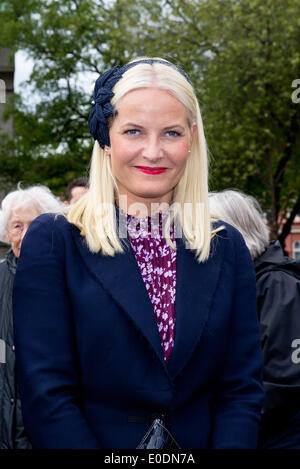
[{"x": 153, "y": 150}]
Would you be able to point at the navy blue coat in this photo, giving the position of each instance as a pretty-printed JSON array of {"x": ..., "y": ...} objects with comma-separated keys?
[{"x": 88, "y": 350}]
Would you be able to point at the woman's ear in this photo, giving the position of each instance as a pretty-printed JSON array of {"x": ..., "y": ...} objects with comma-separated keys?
[
  {"x": 107, "y": 150},
  {"x": 6, "y": 237},
  {"x": 194, "y": 130}
]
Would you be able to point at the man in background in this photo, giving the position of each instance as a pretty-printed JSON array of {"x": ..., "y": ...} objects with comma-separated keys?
[{"x": 76, "y": 189}]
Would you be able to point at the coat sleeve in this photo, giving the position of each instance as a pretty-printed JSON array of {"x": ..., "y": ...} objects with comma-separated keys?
[
  {"x": 239, "y": 391},
  {"x": 278, "y": 306},
  {"x": 45, "y": 344}
]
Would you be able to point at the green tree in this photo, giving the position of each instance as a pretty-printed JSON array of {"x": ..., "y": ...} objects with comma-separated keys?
[
  {"x": 253, "y": 123},
  {"x": 242, "y": 56},
  {"x": 65, "y": 38}
]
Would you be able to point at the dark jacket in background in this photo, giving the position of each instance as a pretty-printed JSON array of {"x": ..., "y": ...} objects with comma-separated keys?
[
  {"x": 278, "y": 300},
  {"x": 11, "y": 422}
]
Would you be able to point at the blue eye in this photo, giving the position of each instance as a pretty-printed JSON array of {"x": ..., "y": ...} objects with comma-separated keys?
[
  {"x": 132, "y": 132},
  {"x": 172, "y": 133}
]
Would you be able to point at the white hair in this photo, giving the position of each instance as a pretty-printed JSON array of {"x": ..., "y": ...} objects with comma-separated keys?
[
  {"x": 244, "y": 213},
  {"x": 39, "y": 197}
]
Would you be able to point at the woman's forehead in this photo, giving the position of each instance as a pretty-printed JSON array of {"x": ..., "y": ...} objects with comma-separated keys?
[
  {"x": 20, "y": 213},
  {"x": 146, "y": 93},
  {"x": 146, "y": 101}
]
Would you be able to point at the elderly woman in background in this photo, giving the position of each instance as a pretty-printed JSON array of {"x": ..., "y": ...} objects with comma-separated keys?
[
  {"x": 278, "y": 301},
  {"x": 19, "y": 208}
]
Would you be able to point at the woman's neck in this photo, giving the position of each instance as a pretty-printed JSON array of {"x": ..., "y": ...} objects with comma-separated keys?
[{"x": 143, "y": 208}]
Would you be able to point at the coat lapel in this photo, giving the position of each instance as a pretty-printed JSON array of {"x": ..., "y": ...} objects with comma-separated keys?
[
  {"x": 121, "y": 278},
  {"x": 195, "y": 287}
]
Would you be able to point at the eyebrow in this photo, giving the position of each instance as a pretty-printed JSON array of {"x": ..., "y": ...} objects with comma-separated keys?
[
  {"x": 174, "y": 125},
  {"x": 133, "y": 124}
]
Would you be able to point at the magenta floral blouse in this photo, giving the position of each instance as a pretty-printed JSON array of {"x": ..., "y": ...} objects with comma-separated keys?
[{"x": 157, "y": 263}]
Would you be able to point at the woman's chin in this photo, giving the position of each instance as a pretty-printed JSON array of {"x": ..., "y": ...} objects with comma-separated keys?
[{"x": 153, "y": 197}]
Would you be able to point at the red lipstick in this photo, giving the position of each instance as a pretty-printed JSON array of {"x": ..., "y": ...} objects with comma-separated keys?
[{"x": 150, "y": 170}]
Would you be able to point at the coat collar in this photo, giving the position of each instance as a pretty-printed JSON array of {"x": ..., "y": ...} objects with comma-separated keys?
[
  {"x": 121, "y": 278},
  {"x": 195, "y": 288}
]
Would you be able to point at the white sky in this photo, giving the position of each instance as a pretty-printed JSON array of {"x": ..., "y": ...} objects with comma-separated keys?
[{"x": 23, "y": 68}]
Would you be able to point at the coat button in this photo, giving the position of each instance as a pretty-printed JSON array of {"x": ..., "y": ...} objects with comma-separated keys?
[
  {"x": 12, "y": 401},
  {"x": 13, "y": 348}
]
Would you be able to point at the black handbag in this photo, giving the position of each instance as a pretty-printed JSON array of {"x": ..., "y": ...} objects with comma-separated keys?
[{"x": 158, "y": 437}]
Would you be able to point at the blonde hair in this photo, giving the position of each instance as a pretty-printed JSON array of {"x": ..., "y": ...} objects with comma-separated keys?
[
  {"x": 244, "y": 213},
  {"x": 94, "y": 213}
]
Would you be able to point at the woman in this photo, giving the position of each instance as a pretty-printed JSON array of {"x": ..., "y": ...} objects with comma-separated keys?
[
  {"x": 278, "y": 302},
  {"x": 120, "y": 317},
  {"x": 18, "y": 209}
]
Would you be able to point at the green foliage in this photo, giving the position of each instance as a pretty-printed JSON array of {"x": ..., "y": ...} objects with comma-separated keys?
[
  {"x": 242, "y": 56},
  {"x": 64, "y": 38},
  {"x": 254, "y": 114}
]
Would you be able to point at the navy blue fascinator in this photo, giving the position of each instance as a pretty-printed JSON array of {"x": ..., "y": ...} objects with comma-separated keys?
[
  {"x": 102, "y": 108},
  {"x": 101, "y": 105}
]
